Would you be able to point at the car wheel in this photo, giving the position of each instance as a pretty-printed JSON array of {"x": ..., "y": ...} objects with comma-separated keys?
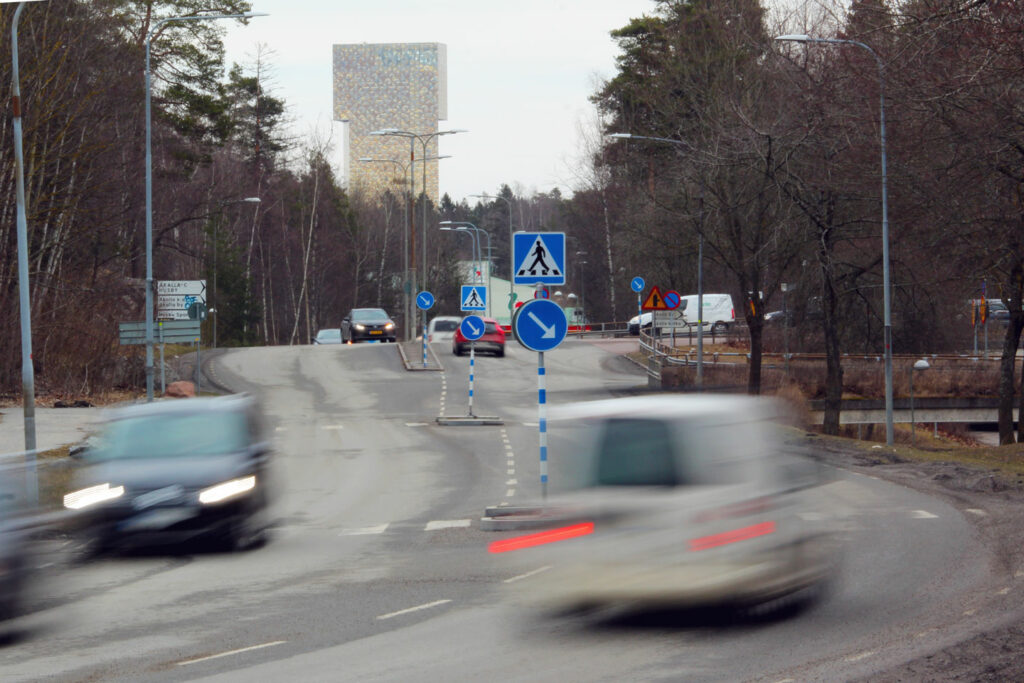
[
  {"x": 720, "y": 328},
  {"x": 244, "y": 534},
  {"x": 500, "y": 353}
]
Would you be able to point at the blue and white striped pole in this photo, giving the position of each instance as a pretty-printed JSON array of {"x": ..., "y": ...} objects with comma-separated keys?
[
  {"x": 542, "y": 422},
  {"x": 472, "y": 362},
  {"x": 424, "y": 339}
]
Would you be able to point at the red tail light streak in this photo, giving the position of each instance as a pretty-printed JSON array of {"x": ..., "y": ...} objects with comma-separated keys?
[{"x": 541, "y": 538}]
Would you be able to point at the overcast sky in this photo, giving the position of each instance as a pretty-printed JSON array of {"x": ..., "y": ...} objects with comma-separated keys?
[{"x": 519, "y": 74}]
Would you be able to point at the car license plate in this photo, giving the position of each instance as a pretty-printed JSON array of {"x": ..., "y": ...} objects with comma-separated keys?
[
  {"x": 375, "y": 332},
  {"x": 157, "y": 519}
]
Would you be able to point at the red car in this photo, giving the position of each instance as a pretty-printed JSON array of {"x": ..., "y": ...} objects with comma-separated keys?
[{"x": 493, "y": 340}]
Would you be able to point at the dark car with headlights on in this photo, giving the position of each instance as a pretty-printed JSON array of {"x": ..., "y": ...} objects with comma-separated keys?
[
  {"x": 173, "y": 472},
  {"x": 492, "y": 341},
  {"x": 367, "y": 324}
]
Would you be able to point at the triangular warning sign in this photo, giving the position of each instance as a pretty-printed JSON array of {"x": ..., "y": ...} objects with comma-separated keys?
[
  {"x": 654, "y": 301},
  {"x": 538, "y": 262}
]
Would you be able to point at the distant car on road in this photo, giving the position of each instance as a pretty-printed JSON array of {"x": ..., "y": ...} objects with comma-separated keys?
[
  {"x": 681, "y": 501},
  {"x": 367, "y": 324},
  {"x": 442, "y": 328},
  {"x": 492, "y": 341},
  {"x": 174, "y": 472},
  {"x": 330, "y": 335}
]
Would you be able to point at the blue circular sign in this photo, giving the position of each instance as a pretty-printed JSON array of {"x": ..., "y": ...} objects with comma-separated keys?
[
  {"x": 638, "y": 284},
  {"x": 472, "y": 327},
  {"x": 671, "y": 299},
  {"x": 424, "y": 300},
  {"x": 540, "y": 325}
]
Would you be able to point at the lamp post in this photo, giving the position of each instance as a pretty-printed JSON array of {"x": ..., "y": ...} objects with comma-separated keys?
[
  {"x": 467, "y": 224},
  {"x": 582, "y": 311},
  {"x": 472, "y": 244},
  {"x": 918, "y": 365},
  {"x": 424, "y": 139},
  {"x": 406, "y": 312},
  {"x": 886, "y": 284},
  {"x": 149, "y": 181},
  {"x": 212, "y": 310},
  {"x": 700, "y": 253}
]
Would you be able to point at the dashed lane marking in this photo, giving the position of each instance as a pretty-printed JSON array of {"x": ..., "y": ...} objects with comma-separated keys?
[
  {"x": 416, "y": 424},
  {"x": 976, "y": 511},
  {"x": 332, "y": 427},
  {"x": 531, "y": 424},
  {"x": 510, "y": 493},
  {"x": 511, "y": 482},
  {"x": 365, "y": 531},
  {"x": 232, "y": 652},
  {"x": 860, "y": 656},
  {"x": 969, "y": 612},
  {"x": 417, "y": 608},
  {"x": 528, "y": 574},
  {"x": 923, "y": 514},
  {"x": 1003, "y": 591},
  {"x": 447, "y": 524},
  {"x": 1018, "y": 574}
]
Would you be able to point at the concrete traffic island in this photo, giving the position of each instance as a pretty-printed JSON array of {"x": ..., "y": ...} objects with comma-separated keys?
[
  {"x": 470, "y": 420},
  {"x": 433, "y": 362}
]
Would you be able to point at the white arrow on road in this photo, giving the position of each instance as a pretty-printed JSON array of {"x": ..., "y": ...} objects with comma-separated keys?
[{"x": 549, "y": 332}]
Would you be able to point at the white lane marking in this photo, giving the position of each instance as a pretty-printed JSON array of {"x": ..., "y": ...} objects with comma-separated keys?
[
  {"x": 528, "y": 574},
  {"x": 365, "y": 531},
  {"x": 232, "y": 652},
  {"x": 786, "y": 680},
  {"x": 280, "y": 429},
  {"x": 923, "y": 514},
  {"x": 417, "y": 608},
  {"x": 510, "y": 493},
  {"x": 1003, "y": 591},
  {"x": 511, "y": 482},
  {"x": 1019, "y": 574},
  {"x": 858, "y": 657},
  {"x": 976, "y": 511},
  {"x": 969, "y": 612},
  {"x": 508, "y": 447},
  {"x": 511, "y": 470},
  {"x": 415, "y": 424},
  {"x": 447, "y": 524},
  {"x": 531, "y": 424},
  {"x": 332, "y": 427}
]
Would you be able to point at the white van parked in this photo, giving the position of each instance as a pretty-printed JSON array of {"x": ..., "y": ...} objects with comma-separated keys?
[{"x": 719, "y": 314}]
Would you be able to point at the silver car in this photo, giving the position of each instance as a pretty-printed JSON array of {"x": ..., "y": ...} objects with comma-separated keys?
[{"x": 682, "y": 501}]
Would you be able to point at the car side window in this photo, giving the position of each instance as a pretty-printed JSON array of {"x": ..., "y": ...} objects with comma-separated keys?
[{"x": 636, "y": 452}]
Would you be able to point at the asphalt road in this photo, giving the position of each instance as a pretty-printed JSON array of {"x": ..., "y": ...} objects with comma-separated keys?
[{"x": 378, "y": 569}]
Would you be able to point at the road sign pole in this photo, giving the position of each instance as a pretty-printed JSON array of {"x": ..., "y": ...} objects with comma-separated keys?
[
  {"x": 198, "y": 363},
  {"x": 542, "y": 423},
  {"x": 424, "y": 339},
  {"x": 472, "y": 364}
]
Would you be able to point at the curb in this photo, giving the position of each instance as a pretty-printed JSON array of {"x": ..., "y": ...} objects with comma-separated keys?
[
  {"x": 418, "y": 367},
  {"x": 518, "y": 517},
  {"x": 469, "y": 420}
]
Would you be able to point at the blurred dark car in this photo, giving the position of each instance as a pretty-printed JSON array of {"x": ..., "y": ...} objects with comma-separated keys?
[
  {"x": 492, "y": 341},
  {"x": 174, "y": 472},
  {"x": 682, "y": 501},
  {"x": 367, "y": 324},
  {"x": 330, "y": 335},
  {"x": 15, "y": 575}
]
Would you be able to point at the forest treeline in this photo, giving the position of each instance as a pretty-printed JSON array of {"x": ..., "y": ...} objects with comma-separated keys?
[{"x": 774, "y": 166}]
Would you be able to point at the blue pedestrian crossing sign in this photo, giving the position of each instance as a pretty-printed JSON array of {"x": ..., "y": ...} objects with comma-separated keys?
[
  {"x": 472, "y": 327},
  {"x": 474, "y": 298},
  {"x": 424, "y": 300},
  {"x": 540, "y": 325},
  {"x": 539, "y": 258}
]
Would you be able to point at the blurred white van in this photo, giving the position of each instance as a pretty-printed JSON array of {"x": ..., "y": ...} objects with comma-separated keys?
[{"x": 719, "y": 313}]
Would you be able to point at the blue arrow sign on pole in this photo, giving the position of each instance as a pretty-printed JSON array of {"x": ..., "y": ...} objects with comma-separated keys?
[
  {"x": 539, "y": 258},
  {"x": 638, "y": 284},
  {"x": 540, "y": 325},
  {"x": 424, "y": 301},
  {"x": 472, "y": 327}
]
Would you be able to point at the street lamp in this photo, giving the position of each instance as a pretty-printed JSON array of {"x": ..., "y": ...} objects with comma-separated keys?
[
  {"x": 467, "y": 224},
  {"x": 700, "y": 252},
  {"x": 212, "y": 310},
  {"x": 886, "y": 285},
  {"x": 406, "y": 312},
  {"x": 149, "y": 182},
  {"x": 424, "y": 139},
  {"x": 918, "y": 365}
]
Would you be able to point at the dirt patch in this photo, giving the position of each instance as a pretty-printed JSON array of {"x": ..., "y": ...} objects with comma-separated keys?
[{"x": 989, "y": 482}]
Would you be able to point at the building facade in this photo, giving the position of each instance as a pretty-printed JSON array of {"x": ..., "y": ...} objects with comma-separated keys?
[{"x": 390, "y": 85}]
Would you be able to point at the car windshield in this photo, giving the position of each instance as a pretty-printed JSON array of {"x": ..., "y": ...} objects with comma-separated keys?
[
  {"x": 369, "y": 315},
  {"x": 445, "y": 325},
  {"x": 490, "y": 328},
  {"x": 172, "y": 436},
  {"x": 636, "y": 452},
  {"x": 324, "y": 335}
]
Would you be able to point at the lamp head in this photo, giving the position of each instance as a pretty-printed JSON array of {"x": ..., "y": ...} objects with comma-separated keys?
[{"x": 795, "y": 37}]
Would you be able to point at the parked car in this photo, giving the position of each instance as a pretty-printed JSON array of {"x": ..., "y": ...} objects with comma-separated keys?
[
  {"x": 174, "y": 472},
  {"x": 367, "y": 324},
  {"x": 640, "y": 322},
  {"x": 442, "y": 328},
  {"x": 681, "y": 501},
  {"x": 719, "y": 314},
  {"x": 330, "y": 335},
  {"x": 492, "y": 341}
]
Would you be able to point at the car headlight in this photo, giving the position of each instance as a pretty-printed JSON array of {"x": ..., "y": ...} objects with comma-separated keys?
[
  {"x": 228, "y": 489},
  {"x": 76, "y": 500},
  {"x": 389, "y": 326},
  {"x": 359, "y": 327}
]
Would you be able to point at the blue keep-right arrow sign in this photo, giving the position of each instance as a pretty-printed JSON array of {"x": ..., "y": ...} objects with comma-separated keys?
[
  {"x": 540, "y": 325},
  {"x": 638, "y": 284},
  {"x": 472, "y": 327}
]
